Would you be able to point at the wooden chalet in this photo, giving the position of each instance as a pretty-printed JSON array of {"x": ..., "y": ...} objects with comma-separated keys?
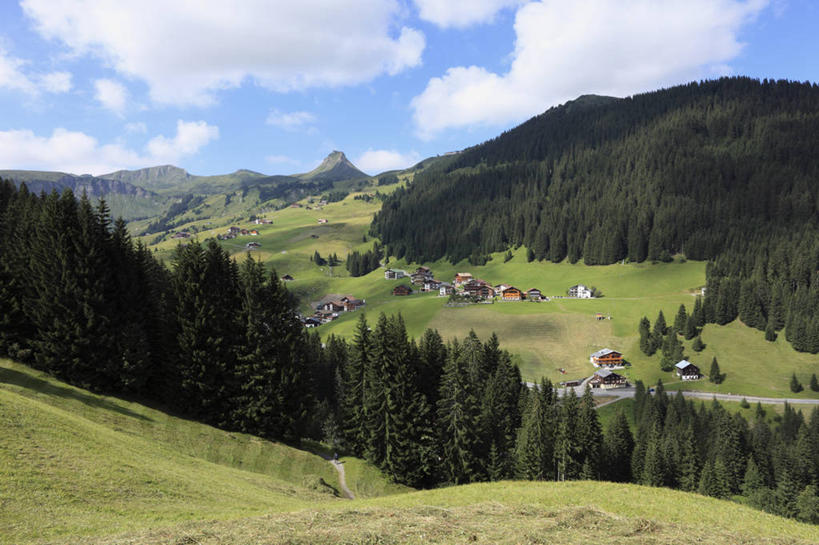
[
  {"x": 253, "y": 233},
  {"x": 606, "y": 358},
  {"x": 252, "y": 245},
  {"x": 235, "y": 230},
  {"x": 606, "y": 379},
  {"x": 311, "y": 321},
  {"x": 445, "y": 289},
  {"x": 479, "y": 288},
  {"x": 394, "y": 274},
  {"x": 512, "y": 294},
  {"x": 333, "y": 306},
  {"x": 534, "y": 294},
  {"x": 431, "y": 285},
  {"x": 243, "y": 232},
  {"x": 421, "y": 275},
  {"x": 351, "y": 303},
  {"x": 287, "y": 278},
  {"x": 687, "y": 370},
  {"x": 403, "y": 289},
  {"x": 181, "y": 234},
  {"x": 462, "y": 278}
]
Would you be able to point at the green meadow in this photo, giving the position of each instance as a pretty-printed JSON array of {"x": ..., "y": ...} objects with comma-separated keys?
[{"x": 551, "y": 339}]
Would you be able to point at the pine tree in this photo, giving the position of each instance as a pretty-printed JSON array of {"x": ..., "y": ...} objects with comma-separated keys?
[
  {"x": 530, "y": 255},
  {"x": 589, "y": 436},
  {"x": 646, "y": 340},
  {"x": 814, "y": 384},
  {"x": 618, "y": 445},
  {"x": 713, "y": 481},
  {"x": 681, "y": 319},
  {"x": 653, "y": 466},
  {"x": 807, "y": 505},
  {"x": 796, "y": 386},
  {"x": 534, "y": 447},
  {"x": 689, "y": 459},
  {"x": 697, "y": 345},
  {"x": 567, "y": 449},
  {"x": 714, "y": 374},
  {"x": 698, "y": 313},
  {"x": 786, "y": 494},
  {"x": 770, "y": 330},
  {"x": 690, "y": 330},
  {"x": 354, "y": 385}
]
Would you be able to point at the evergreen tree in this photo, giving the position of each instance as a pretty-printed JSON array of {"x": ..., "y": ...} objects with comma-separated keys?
[
  {"x": 690, "y": 330},
  {"x": 796, "y": 386},
  {"x": 770, "y": 330},
  {"x": 807, "y": 505},
  {"x": 534, "y": 449},
  {"x": 689, "y": 465},
  {"x": 589, "y": 436},
  {"x": 681, "y": 319},
  {"x": 714, "y": 375},
  {"x": 713, "y": 481},
  {"x": 568, "y": 456},
  {"x": 814, "y": 384},
  {"x": 697, "y": 345},
  {"x": 698, "y": 314},
  {"x": 786, "y": 493},
  {"x": 530, "y": 255},
  {"x": 646, "y": 340},
  {"x": 354, "y": 381},
  {"x": 618, "y": 445}
]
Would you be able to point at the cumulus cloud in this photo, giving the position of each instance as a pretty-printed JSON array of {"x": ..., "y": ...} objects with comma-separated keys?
[
  {"x": 380, "y": 160},
  {"x": 291, "y": 121},
  {"x": 565, "y": 49},
  {"x": 111, "y": 94},
  {"x": 79, "y": 153},
  {"x": 14, "y": 77},
  {"x": 186, "y": 51},
  {"x": 136, "y": 127},
  {"x": 462, "y": 13},
  {"x": 56, "y": 82}
]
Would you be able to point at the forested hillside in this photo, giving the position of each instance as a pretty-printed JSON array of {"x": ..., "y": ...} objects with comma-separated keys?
[{"x": 725, "y": 171}]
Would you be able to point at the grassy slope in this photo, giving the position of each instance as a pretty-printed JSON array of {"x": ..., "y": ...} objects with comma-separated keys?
[
  {"x": 74, "y": 463},
  {"x": 507, "y": 512},
  {"x": 546, "y": 336}
]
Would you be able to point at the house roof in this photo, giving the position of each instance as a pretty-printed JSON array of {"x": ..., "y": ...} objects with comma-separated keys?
[
  {"x": 532, "y": 289},
  {"x": 603, "y": 373},
  {"x": 464, "y": 274},
  {"x": 578, "y": 286},
  {"x": 604, "y": 352},
  {"x": 683, "y": 364}
]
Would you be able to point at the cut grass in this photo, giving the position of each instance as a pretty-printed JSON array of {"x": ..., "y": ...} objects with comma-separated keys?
[{"x": 506, "y": 513}]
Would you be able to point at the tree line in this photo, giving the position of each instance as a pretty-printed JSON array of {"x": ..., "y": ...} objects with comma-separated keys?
[{"x": 723, "y": 171}]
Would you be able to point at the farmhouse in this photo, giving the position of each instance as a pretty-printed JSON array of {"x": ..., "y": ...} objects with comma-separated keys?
[
  {"x": 687, "y": 370},
  {"x": 394, "y": 274},
  {"x": 402, "y": 290},
  {"x": 333, "y": 306},
  {"x": 421, "y": 275},
  {"x": 181, "y": 234},
  {"x": 462, "y": 278},
  {"x": 351, "y": 303},
  {"x": 235, "y": 230},
  {"x": 431, "y": 285},
  {"x": 534, "y": 294},
  {"x": 322, "y": 220},
  {"x": 445, "y": 289},
  {"x": 252, "y": 245},
  {"x": 512, "y": 294},
  {"x": 479, "y": 288},
  {"x": 501, "y": 287},
  {"x": 607, "y": 379},
  {"x": 606, "y": 358},
  {"x": 580, "y": 291},
  {"x": 287, "y": 278},
  {"x": 253, "y": 233},
  {"x": 311, "y": 321}
]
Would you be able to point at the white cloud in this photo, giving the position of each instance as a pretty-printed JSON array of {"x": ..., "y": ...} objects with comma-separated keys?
[
  {"x": 79, "y": 153},
  {"x": 136, "y": 127},
  {"x": 190, "y": 136},
  {"x": 56, "y": 82},
  {"x": 565, "y": 49},
  {"x": 380, "y": 160},
  {"x": 186, "y": 51},
  {"x": 291, "y": 121},
  {"x": 462, "y": 13},
  {"x": 111, "y": 94},
  {"x": 12, "y": 76}
]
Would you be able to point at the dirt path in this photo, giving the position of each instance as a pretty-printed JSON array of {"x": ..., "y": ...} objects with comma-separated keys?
[{"x": 342, "y": 480}]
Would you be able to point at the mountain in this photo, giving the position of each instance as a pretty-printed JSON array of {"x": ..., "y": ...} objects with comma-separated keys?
[
  {"x": 169, "y": 179},
  {"x": 723, "y": 170},
  {"x": 95, "y": 187},
  {"x": 334, "y": 168}
]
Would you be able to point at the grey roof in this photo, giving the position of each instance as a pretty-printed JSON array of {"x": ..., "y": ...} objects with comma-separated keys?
[
  {"x": 683, "y": 364},
  {"x": 603, "y": 373},
  {"x": 603, "y": 352}
]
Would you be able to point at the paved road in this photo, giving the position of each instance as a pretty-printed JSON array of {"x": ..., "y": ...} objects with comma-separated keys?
[{"x": 621, "y": 393}]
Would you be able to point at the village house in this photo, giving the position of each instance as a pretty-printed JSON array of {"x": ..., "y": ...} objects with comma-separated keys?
[
  {"x": 479, "y": 288},
  {"x": 421, "y": 275},
  {"x": 607, "y": 379},
  {"x": 431, "y": 285},
  {"x": 351, "y": 304},
  {"x": 606, "y": 358},
  {"x": 311, "y": 321},
  {"x": 687, "y": 370},
  {"x": 322, "y": 220},
  {"x": 403, "y": 289},
  {"x": 287, "y": 278},
  {"x": 252, "y": 245},
  {"x": 244, "y": 232},
  {"x": 580, "y": 291},
  {"x": 500, "y": 287},
  {"x": 235, "y": 230},
  {"x": 445, "y": 289},
  {"x": 333, "y": 306},
  {"x": 181, "y": 234},
  {"x": 512, "y": 294},
  {"x": 462, "y": 278},
  {"x": 394, "y": 274},
  {"x": 253, "y": 233},
  {"x": 263, "y": 221},
  {"x": 533, "y": 294}
]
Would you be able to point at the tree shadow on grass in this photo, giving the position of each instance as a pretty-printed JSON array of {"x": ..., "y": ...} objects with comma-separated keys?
[{"x": 29, "y": 382}]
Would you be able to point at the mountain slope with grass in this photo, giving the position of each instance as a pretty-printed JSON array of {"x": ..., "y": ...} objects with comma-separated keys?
[
  {"x": 74, "y": 464},
  {"x": 80, "y": 468}
]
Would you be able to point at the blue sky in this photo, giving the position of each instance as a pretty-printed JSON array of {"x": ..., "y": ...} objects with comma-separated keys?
[{"x": 273, "y": 86}]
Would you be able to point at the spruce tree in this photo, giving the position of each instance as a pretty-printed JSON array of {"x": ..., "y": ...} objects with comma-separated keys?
[
  {"x": 681, "y": 319},
  {"x": 567, "y": 454},
  {"x": 697, "y": 345},
  {"x": 690, "y": 330},
  {"x": 534, "y": 447},
  {"x": 796, "y": 386},
  {"x": 698, "y": 314},
  {"x": 355, "y": 384},
  {"x": 814, "y": 384},
  {"x": 618, "y": 445},
  {"x": 646, "y": 340},
  {"x": 589, "y": 436},
  {"x": 807, "y": 505},
  {"x": 714, "y": 374}
]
